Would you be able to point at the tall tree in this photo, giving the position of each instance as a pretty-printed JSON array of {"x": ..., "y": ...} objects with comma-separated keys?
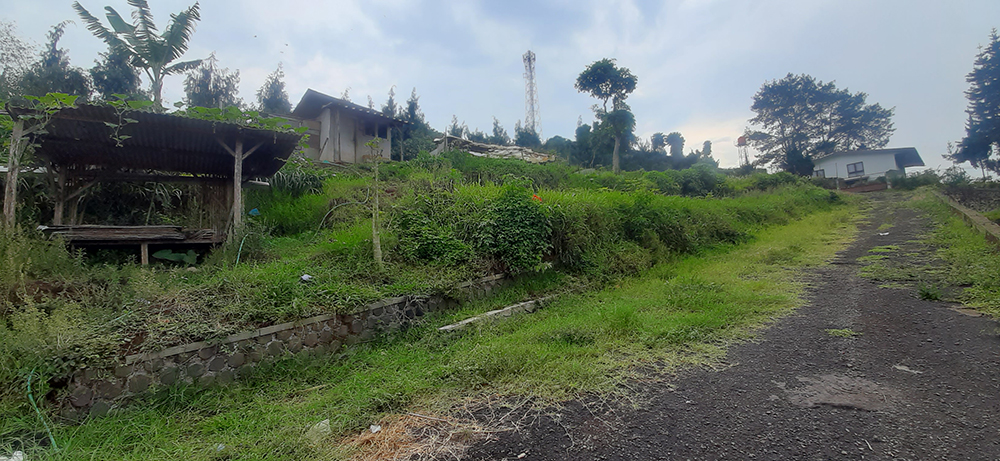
[
  {"x": 113, "y": 75},
  {"x": 15, "y": 59},
  {"x": 52, "y": 73},
  {"x": 803, "y": 116},
  {"x": 526, "y": 136},
  {"x": 455, "y": 129},
  {"x": 418, "y": 135},
  {"x": 209, "y": 86},
  {"x": 272, "y": 97},
  {"x": 706, "y": 149},
  {"x": 146, "y": 50},
  {"x": 499, "y": 136},
  {"x": 676, "y": 143},
  {"x": 606, "y": 81},
  {"x": 657, "y": 141},
  {"x": 982, "y": 130},
  {"x": 392, "y": 109}
]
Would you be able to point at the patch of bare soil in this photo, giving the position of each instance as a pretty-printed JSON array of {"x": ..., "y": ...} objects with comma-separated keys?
[{"x": 913, "y": 379}]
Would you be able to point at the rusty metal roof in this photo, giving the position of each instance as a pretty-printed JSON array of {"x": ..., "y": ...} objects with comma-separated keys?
[
  {"x": 80, "y": 136},
  {"x": 313, "y": 102}
]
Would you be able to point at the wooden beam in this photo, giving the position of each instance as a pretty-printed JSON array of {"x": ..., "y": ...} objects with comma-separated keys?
[
  {"x": 60, "y": 198},
  {"x": 238, "y": 187}
]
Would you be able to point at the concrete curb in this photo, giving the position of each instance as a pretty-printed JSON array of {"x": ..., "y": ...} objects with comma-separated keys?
[
  {"x": 988, "y": 228},
  {"x": 525, "y": 307}
]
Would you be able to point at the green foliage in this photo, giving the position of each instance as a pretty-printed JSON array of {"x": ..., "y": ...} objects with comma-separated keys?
[
  {"x": 982, "y": 137},
  {"x": 146, "y": 49},
  {"x": 272, "y": 97},
  {"x": 210, "y": 86},
  {"x": 113, "y": 76},
  {"x": 799, "y": 117},
  {"x": 515, "y": 230},
  {"x": 52, "y": 73},
  {"x": 914, "y": 180}
]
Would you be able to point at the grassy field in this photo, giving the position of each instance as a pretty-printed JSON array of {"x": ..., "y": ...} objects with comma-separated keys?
[{"x": 681, "y": 312}]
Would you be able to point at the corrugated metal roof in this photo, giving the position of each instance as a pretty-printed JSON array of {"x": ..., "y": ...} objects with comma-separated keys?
[
  {"x": 313, "y": 102},
  {"x": 158, "y": 142}
]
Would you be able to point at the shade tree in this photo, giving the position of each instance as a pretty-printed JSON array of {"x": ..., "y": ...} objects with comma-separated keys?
[
  {"x": 606, "y": 81},
  {"x": 801, "y": 116}
]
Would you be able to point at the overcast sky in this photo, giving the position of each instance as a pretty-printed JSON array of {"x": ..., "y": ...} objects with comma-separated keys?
[{"x": 699, "y": 63}]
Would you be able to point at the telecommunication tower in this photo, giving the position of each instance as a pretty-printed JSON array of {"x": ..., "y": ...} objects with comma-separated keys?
[{"x": 532, "y": 119}]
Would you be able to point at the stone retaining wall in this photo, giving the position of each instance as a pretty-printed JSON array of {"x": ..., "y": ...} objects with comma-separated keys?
[
  {"x": 95, "y": 391},
  {"x": 989, "y": 229},
  {"x": 976, "y": 198}
]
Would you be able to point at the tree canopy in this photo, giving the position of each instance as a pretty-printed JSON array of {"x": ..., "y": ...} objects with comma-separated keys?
[
  {"x": 606, "y": 81},
  {"x": 804, "y": 116},
  {"x": 112, "y": 75},
  {"x": 209, "y": 86},
  {"x": 146, "y": 49},
  {"x": 982, "y": 130},
  {"x": 52, "y": 73},
  {"x": 15, "y": 58},
  {"x": 272, "y": 97}
]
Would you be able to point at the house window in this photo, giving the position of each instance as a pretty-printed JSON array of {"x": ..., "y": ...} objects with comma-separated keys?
[
  {"x": 819, "y": 173},
  {"x": 855, "y": 169}
]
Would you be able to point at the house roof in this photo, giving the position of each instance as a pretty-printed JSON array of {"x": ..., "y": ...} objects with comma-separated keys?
[
  {"x": 313, "y": 102},
  {"x": 905, "y": 156},
  {"x": 81, "y": 136}
]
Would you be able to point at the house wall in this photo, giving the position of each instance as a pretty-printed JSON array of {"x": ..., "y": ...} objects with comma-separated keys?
[
  {"x": 875, "y": 165},
  {"x": 340, "y": 137}
]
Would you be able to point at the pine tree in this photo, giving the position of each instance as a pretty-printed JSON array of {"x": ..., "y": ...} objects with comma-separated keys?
[
  {"x": 982, "y": 129},
  {"x": 272, "y": 97}
]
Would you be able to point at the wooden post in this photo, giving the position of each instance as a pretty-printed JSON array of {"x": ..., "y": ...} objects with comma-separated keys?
[
  {"x": 325, "y": 127},
  {"x": 388, "y": 140},
  {"x": 13, "y": 166},
  {"x": 60, "y": 198},
  {"x": 144, "y": 253},
  {"x": 238, "y": 187},
  {"x": 336, "y": 126}
]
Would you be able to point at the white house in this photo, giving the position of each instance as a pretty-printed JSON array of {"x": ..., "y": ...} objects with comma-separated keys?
[
  {"x": 339, "y": 129},
  {"x": 870, "y": 164}
]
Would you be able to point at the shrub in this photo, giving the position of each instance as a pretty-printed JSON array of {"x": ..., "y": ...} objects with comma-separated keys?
[{"x": 516, "y": 230}]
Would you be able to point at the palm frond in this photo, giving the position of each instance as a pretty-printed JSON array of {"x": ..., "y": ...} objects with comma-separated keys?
[
  {"x": 94, "y": 26},
  {"x": 117, "y": 23},
  {"x": 182, "y": 67},
  {"x": 179, "y": 31},
  {"x": 145, "y": 29}
]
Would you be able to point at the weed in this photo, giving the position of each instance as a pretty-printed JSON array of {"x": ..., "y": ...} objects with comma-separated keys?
[
  {"x": 843, "y": 333},
  {"x": 929, "y": 292},
  {"x": 884, "y": 249}
]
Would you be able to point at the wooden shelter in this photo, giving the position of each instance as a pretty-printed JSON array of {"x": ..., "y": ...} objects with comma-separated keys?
[{"x": 88, "y": 144}]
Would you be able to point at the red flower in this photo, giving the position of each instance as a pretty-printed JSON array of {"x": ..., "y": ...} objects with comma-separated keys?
[{"x": 536, "y": 197}]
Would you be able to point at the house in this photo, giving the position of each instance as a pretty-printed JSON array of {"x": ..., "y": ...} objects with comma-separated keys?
[
  {"x": 339, "y": 129},
  {"x": 866, "y": 164}
]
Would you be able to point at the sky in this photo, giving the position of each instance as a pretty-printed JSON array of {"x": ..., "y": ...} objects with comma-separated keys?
[{"x": 699, "y": 62}]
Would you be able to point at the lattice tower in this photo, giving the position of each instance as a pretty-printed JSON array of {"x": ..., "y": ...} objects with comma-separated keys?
[{"x": 532, "y": 118}]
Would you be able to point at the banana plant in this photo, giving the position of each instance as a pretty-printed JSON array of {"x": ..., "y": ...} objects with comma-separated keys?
[{"x": 147, "y": 49}]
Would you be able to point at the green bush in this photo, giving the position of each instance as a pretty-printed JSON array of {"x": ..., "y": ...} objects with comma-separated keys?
[{"x": 515, "y": 230}]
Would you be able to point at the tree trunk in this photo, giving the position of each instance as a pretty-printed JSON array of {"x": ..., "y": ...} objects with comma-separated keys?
[
  {"x": 614, "y": 156},
  {"x": 13, "y": 167},
  {"x": 376, "y": 238}
]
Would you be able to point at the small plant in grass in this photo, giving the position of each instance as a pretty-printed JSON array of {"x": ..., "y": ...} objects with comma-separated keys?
[
  {"x": 929, "y": 292},
  {"x": 843, "y": 333}
]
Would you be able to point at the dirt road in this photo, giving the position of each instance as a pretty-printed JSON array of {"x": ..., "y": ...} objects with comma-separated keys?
[{"x": 860, "y": 372}]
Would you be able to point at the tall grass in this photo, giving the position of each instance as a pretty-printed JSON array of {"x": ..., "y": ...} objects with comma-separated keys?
[{"x": 678, "y": 313}]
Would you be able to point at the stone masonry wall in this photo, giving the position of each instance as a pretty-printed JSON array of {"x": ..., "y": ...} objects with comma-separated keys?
[{"x": 95, "y": 391}]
